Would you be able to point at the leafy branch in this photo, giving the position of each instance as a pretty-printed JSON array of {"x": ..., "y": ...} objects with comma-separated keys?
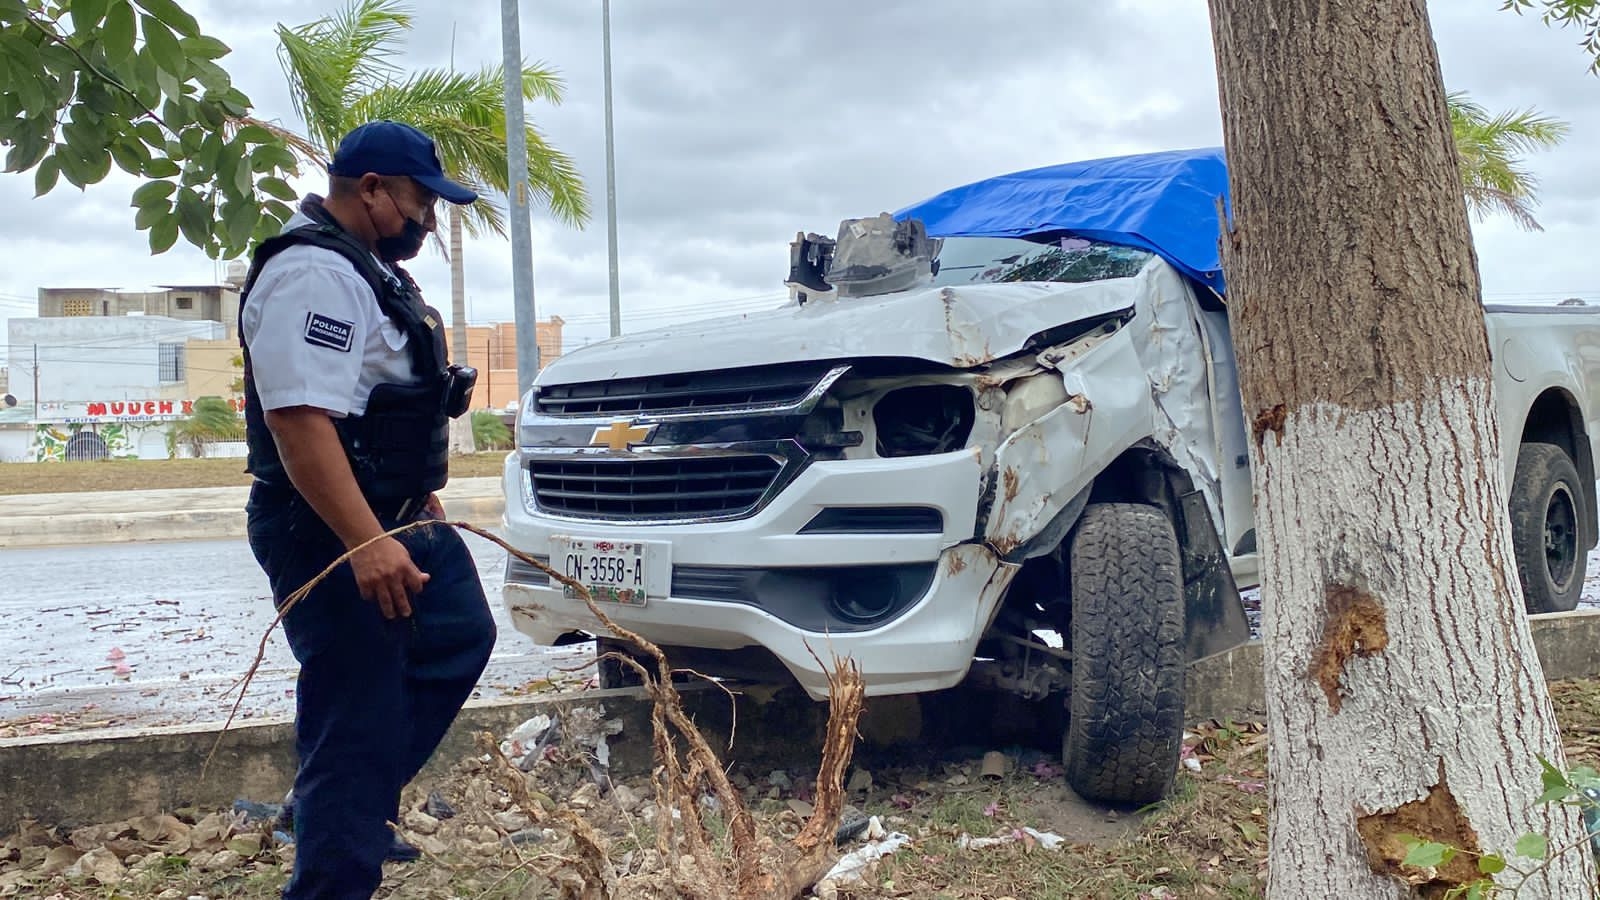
[{"x": 88, "y": 84}]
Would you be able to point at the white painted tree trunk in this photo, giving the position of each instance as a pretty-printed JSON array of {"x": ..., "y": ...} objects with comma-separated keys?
[
  {"x": 461, "y": 438},
  {"x": 1432, "y": 693},
  {"x": 1404, "y": 695}
]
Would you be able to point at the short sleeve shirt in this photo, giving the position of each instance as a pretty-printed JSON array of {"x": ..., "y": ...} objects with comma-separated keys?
[{"x": 316, "y": 334}]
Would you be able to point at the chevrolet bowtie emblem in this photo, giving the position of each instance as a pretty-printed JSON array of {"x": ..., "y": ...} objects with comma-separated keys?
[{"x": 621, "y": 435}]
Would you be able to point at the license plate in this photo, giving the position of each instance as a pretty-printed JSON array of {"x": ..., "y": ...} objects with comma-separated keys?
[{"x": 624, "y": 572}]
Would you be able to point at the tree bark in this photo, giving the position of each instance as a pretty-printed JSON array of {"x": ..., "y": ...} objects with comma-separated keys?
[
  {"x": 461, "y": 438},
  {"x": 1404, "y": 695}
]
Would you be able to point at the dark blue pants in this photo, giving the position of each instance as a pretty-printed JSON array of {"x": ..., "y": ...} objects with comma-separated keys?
[{"x": 374, "y": 696}]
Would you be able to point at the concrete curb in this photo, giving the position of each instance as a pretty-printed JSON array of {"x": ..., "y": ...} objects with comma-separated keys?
[
  {"x": 74, "y": 779},
  {"x": 1232, "y": 684},
  {"x": 213, "y": 518}
]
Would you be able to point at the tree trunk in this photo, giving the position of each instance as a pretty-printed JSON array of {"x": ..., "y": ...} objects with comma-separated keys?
[
  {"x": 461, "y": 439},
  {"x": 1403, "y": 692}
]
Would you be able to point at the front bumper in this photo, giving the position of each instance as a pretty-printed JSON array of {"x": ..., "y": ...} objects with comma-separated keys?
[{"x": 949, "y": 587}]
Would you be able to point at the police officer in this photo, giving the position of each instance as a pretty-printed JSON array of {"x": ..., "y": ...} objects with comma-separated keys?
[{"x": 348, "y": 396}]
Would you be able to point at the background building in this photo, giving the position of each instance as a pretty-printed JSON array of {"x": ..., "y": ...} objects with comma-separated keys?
[
  {"x": 197, "y": 303},
  {"x": 93, "y": 387},
  {"x": 104, "y": 372},
  {"x": 492, "y": 350}
]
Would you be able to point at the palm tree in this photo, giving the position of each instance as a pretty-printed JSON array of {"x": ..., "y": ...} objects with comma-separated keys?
[
  {"x": 1490, "y": 148},
  {"x": 342, "y": 72},
  {"x": 212, "y": 420}
]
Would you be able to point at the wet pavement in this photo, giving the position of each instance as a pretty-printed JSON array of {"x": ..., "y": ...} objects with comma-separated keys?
[
  {"x": 160, "y": 634},
  {"x": 157, "y": 634}
]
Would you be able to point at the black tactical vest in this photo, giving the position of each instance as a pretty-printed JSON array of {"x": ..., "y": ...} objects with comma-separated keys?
[{"x": 399, "y": 448}]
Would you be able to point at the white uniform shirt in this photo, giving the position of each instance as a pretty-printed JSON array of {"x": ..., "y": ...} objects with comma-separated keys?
[{"x": 316, "y": 334}]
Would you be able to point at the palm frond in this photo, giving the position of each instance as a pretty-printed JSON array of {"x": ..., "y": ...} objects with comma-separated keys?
[
  {"x": 1489, "y": 148},
  {"x": 341, "y": 73},
  {"x": 332, "y": 62}
]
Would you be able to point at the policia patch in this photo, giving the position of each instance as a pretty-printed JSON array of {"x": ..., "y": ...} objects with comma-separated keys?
[{"x": 326, "y": 332}]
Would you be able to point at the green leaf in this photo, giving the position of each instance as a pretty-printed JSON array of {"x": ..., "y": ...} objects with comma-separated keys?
[
  {"x": 153, "y": 193},
  {"x": 169, "y": 84},
  {"x": 130, "y": 155},
  {"x": 279, "y": 211},
  {"x": 86, "y": 14},
  {"x": 1428, "y": 854},
  {"x": 149, "y": 215},
  {"x": 150, "y": 133},
  {"x": 26, "y": 153},
  {"x": 159, "y": 38},
  {"x": 1533, "y": 846},
  {"x": 177, "y": 113},
  {"x": 211, "y": 76},
  {"x": 239, "y": 221},
  {"x": 209, "y": 156},
  {"x": 192, "y": 139},
  {"x": 204, "y": 47},
  {"x": 242, "y": 182},
  {"x": 267, "y": 157},
  {"x": 1491, "y": 864},
  {"x": 163, "y": 234},
  {"x": 194, "y": 217},
  {"x": 146, "y": 82},
  {"x": 98, "y": 165},
  {"x": 83, "y": 136},
  {"x": 162, "y": 167},
  {"x": 44, "y": 177},
  {"x": 255, "y": 134},
  {"x": 117, "y": 35},
  {"x": 173, "y": 15},
  {"x": 277, "y": 187}
]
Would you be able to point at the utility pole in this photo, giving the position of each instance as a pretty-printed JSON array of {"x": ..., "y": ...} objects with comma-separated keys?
[
  {"x": 36, "y": 380},
  {"x": 611, "y": 174},
  {"x": 517, "y": 201}
]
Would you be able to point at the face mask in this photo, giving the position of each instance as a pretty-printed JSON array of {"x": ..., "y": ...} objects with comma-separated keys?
[{"x": 405, "y": 245}]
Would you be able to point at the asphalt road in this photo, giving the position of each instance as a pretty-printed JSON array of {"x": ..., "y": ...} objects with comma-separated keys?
[{"x": 157, "y": 633}]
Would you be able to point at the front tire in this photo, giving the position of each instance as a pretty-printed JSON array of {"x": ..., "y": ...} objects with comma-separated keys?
[
  {"x": 1547, "y": 505},
  {"x": 1126, "y": 727}
]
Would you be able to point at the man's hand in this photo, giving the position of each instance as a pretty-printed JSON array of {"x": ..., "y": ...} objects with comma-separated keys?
[
  {"x": 315, "y": 460},
  {"x": 386, "y": 575}
]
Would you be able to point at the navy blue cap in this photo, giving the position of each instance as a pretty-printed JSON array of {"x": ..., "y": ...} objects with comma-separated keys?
[{"x": 393, "y": 148}]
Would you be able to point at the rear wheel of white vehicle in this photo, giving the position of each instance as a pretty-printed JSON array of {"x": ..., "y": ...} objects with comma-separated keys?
[
  {"x": 1547, "y": 503},
  {"x": 1125, "y": 726}
]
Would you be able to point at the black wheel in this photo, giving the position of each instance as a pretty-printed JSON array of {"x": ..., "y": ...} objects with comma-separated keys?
[
  {"x": 1547, "y": 503},
  {"x": 1125, "y": 727}
]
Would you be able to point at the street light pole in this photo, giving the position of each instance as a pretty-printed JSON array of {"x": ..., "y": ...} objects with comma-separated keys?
[
  {"x": 517, "y": 201},
  {"x": 611, "y": 174}
]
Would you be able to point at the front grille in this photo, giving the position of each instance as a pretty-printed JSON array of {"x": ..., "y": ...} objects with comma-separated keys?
[
  {"x": 687, "y": 392},
  {"x": 653, "y": 488}
]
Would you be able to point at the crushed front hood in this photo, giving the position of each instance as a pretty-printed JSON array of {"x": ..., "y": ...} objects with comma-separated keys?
[{"x": 964, "y": 327}]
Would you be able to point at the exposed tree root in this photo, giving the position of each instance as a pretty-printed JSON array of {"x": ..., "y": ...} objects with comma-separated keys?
[{"x": 757, "y": 868}]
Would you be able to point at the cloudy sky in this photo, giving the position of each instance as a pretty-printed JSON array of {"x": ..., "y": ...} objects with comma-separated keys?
[{"x": 738, "y": 125}]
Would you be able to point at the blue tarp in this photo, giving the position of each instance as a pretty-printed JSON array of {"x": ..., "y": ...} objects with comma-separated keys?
[{"x": 1164, "y": 202}]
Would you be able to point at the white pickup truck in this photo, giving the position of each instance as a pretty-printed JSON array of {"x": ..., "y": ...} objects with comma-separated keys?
[{"x": 1012, "y": 452}]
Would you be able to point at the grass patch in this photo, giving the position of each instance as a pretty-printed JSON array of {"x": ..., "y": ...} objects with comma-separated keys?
[{"x": 166, "y": 474}]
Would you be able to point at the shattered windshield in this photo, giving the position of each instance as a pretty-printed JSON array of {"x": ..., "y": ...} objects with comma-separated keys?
[{"x": 998, "y": 260}]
